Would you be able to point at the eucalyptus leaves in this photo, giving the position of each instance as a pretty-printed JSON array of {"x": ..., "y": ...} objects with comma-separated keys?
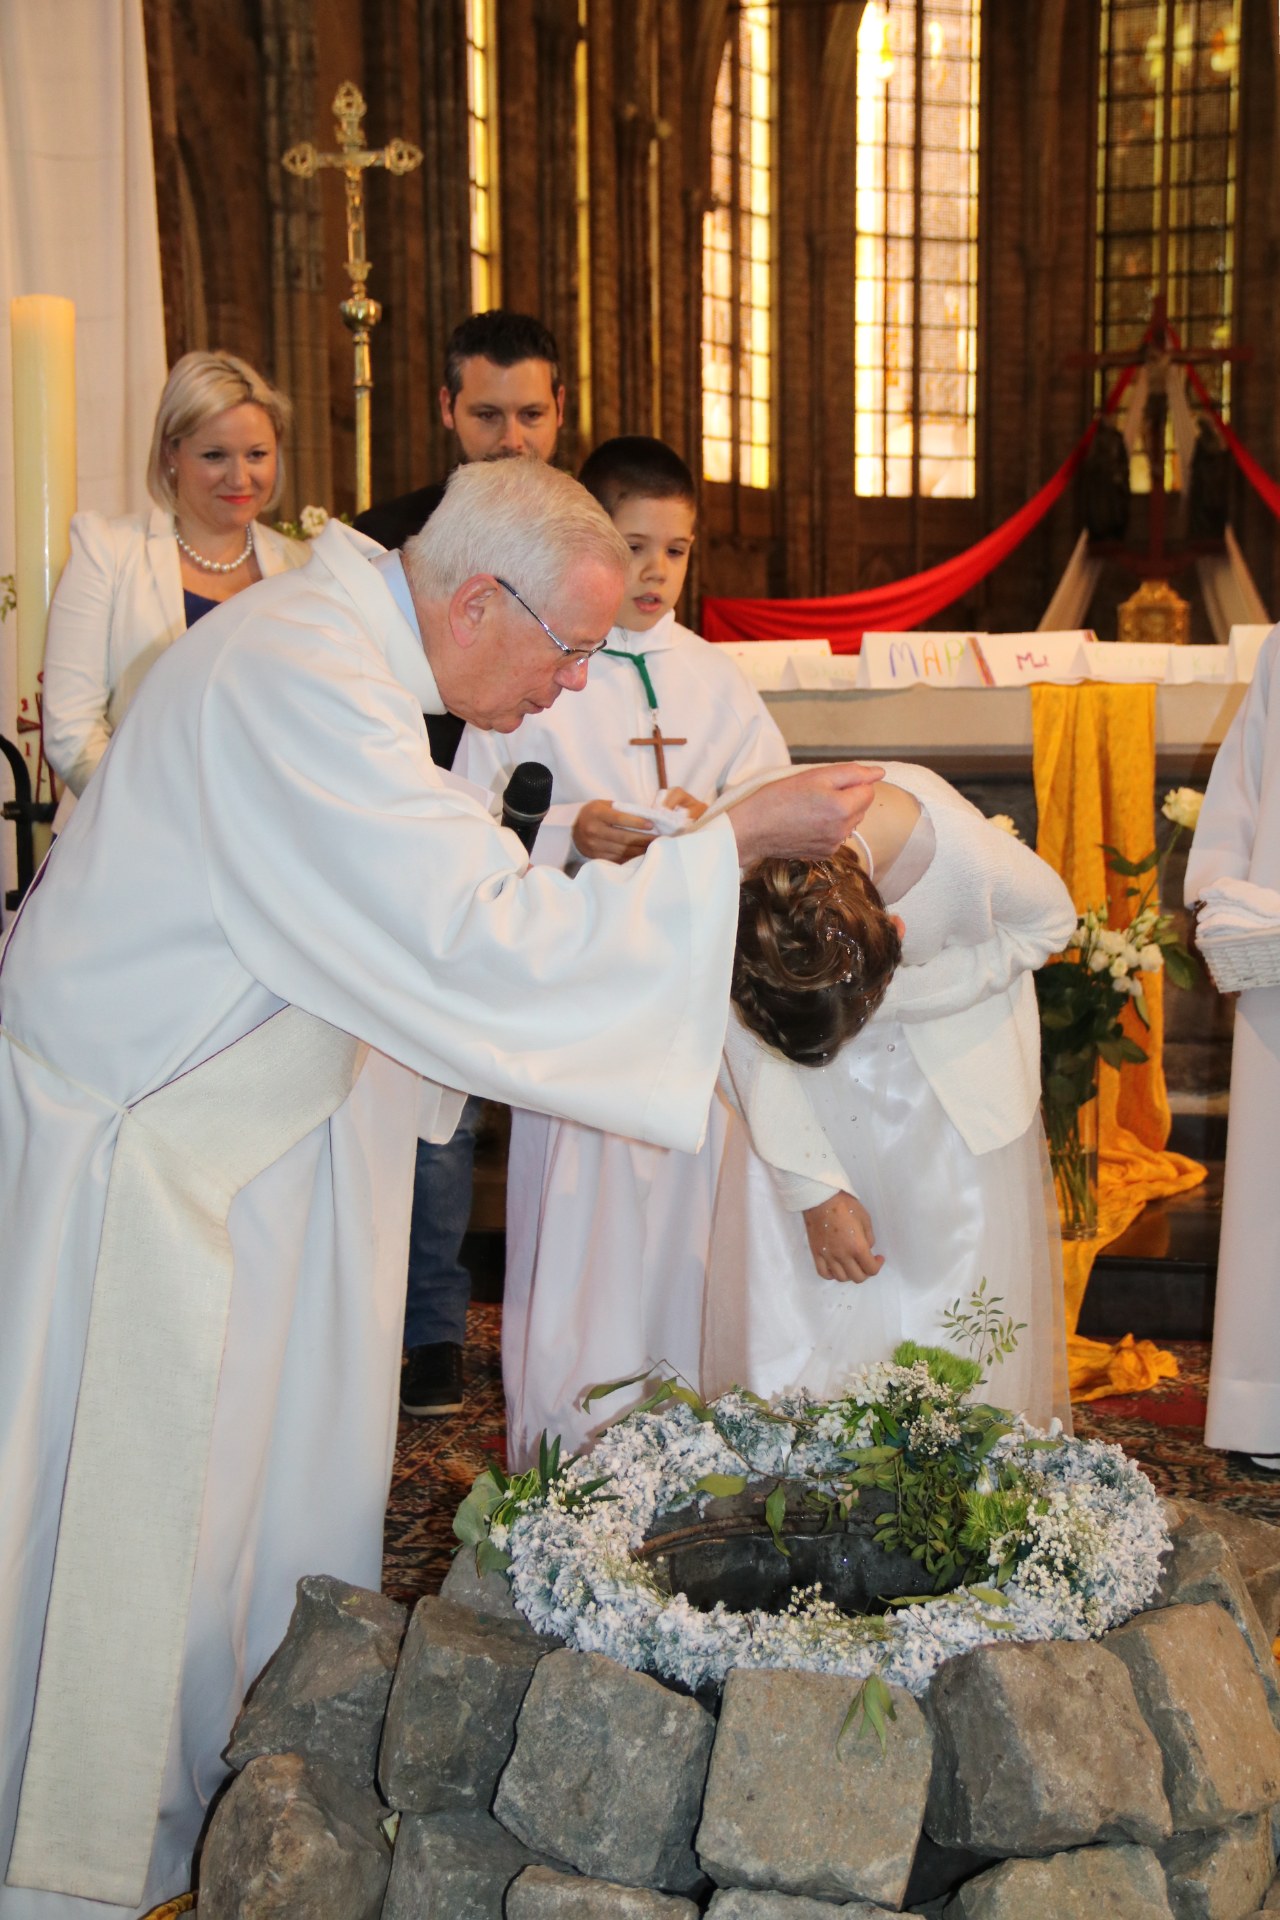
[{"x": 1014, "y": 1533}]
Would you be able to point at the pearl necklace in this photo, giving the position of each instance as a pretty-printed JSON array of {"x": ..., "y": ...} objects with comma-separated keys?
[{"x": 216, "y": 566}]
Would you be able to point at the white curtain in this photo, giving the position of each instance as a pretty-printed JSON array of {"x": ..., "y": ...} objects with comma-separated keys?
[{"x": 78, "y": 218}]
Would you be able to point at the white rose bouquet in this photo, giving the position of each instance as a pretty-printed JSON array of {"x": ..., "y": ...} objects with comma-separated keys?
[{"x": 1082, "y": 997}]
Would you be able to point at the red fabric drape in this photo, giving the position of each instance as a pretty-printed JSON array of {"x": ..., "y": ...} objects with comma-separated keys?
[
  {"x": 1259, "y": 479},
  {"x": 844, "y": 618}
]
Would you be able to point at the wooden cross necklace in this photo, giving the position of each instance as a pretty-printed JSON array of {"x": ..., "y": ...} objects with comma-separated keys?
[{"x": 657, "y": 739}]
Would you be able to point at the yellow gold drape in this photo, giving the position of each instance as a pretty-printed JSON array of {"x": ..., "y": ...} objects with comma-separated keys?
[{"x": 1094, "y": 762}]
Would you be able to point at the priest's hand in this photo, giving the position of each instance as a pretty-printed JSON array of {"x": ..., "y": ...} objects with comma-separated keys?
[
  {"x": 807, "y": 815},
  {"x": 602, "y": 833},
  {"x": 842, "y": 1239}
]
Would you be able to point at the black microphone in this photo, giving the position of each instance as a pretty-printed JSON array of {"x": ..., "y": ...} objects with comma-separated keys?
[{"x": 525, "y": 802}]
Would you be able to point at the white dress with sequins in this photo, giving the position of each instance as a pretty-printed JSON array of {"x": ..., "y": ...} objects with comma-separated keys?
[{"x": 957, "y": 1189}]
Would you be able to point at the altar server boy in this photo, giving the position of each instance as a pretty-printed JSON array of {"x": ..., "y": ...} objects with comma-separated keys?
[{"x": 607, "y": 1238}]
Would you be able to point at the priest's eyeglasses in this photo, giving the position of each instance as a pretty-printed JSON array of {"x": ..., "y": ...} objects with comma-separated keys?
[{"x": 572, "y": 653}]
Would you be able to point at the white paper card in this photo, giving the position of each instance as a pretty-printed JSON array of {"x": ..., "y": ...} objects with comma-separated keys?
[
  {"x": 770, "y": 664},
  {"x": 1130, "y": 662},
  {"x": 1020, "y": 659},
  {"x": 838, "y": 671},
  {"x": 1187, "y": 665},
  {"x": 1244, "y": 645},
  {"x": 918, "y": 659}
]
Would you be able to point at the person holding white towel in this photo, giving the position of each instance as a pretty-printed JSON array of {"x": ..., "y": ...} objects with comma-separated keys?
[{"x": 1234, "y": 856}]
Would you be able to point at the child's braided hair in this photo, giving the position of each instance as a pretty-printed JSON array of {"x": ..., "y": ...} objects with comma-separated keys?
[{"x": 816, "y": 951}]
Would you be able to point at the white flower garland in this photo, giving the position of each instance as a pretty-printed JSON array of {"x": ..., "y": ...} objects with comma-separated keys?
[{"x": 1082, "y": 1556}]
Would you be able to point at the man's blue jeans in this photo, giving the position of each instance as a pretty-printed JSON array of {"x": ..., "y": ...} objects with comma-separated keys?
[{"x": 439, "y": 1284}]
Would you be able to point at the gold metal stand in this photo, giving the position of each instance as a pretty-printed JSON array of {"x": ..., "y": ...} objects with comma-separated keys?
[{"x": 360, "y": 314}]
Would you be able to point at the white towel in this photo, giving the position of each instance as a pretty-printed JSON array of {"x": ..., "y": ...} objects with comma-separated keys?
[{"x": 1238, "y": 906}]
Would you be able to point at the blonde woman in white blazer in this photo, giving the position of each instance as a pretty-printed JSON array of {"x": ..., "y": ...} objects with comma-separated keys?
[
  {"x": 132, "y": 585},
  {"x": 912, "y": 1161}
]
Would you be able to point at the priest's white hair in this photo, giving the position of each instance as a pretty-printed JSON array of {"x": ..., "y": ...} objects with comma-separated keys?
[{"x": 520, "y": 519}]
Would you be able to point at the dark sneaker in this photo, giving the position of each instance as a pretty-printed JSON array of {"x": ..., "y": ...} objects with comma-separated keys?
[
  {"x": 1256, "y": 1463},
  {"x": 431, "y": 1378}
]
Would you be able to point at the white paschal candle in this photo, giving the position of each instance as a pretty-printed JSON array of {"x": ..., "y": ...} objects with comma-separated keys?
[{"x": 43, "y": 329}]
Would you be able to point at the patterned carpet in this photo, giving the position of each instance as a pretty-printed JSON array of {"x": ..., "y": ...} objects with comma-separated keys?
[{"x": 436, "y": 1460}]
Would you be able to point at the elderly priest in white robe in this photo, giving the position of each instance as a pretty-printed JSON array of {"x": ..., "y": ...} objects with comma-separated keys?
[{"x": 270, "y": 929}]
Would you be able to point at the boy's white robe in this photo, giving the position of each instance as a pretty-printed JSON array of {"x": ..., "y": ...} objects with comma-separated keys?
[
  {"x": 607, "y": 1238},
  {"x": 1238, "y": 837},
  {"x": 266, "y": 829}
]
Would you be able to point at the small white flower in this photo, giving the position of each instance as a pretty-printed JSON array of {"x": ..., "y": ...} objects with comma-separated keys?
[
  {"x": 1099, "y": 961},
  {"x": 1119, "y": 967},
  {"x": 313, "y": 520},
  {"x": 1005, "y": 824},
  {"x": 1182, "y": 806},
  {"x": 1150, "y": 959}
]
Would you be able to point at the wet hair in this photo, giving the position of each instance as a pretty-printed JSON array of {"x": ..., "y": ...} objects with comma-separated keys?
[
  {"x": 816, "y": 951},
  {"x": 201, "y": 385},
  {"x": 504, "y": 337},
  {"x": 633, "y": 466}
]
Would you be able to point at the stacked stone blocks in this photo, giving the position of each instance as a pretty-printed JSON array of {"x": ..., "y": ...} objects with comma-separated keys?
[{"x": 455, "y": 1766}]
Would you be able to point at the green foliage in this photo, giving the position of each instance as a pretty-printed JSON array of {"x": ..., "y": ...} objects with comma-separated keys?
[
  {"x": 871, "y": 1707},
  {"x": 979, "y": 1324},
  {"x": 775, "y": 1512},
  {"x": 496, "y": 1498},
  {"x": 1080, "y": 1014},
  {"x": 930, "y": 1482},
  {"x": 1181, "y": 966},
  {"x": 721, "y": 1485},
  {"x": 8, "y": 595},
  {"x": 665, "y": 1390},
  {"x": 990, "y": 1517},
  {"x": 1082, "y": 994},
  {"x": 951, "y": 1369},
  {"x": 603, "y": 1388},
  {"x": 1130, "y": 869}
]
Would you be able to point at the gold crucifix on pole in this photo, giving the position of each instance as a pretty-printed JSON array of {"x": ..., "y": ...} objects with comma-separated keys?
[{"x": 360, "y": 314}]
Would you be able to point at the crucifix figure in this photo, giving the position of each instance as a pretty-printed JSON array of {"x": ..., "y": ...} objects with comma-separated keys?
[
  {"x": 360, "y": 314},
  {"x": 658, "y": 741},
  {"x": 1158, "y": 352}
]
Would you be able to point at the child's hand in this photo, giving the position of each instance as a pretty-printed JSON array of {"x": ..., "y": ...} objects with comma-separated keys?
[
  {"x": 677, "y": 797},
  {"x": 841, "y": 1239},
  {"x": 601, "y": 833}
]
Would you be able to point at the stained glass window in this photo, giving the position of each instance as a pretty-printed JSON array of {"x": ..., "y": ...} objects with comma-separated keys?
[
  {"x": 916, "y": 260},
  {"x": 482, "y": 154},
  {"x": 1169, "y": 85},
  {"x": 737, "y": 261}
]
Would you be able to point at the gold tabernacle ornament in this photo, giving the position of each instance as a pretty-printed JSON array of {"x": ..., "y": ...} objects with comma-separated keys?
[{"x": 359, "y": 313}]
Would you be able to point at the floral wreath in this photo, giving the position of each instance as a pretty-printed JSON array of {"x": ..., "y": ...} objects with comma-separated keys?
[{"x": 1019, "y": 1534}]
